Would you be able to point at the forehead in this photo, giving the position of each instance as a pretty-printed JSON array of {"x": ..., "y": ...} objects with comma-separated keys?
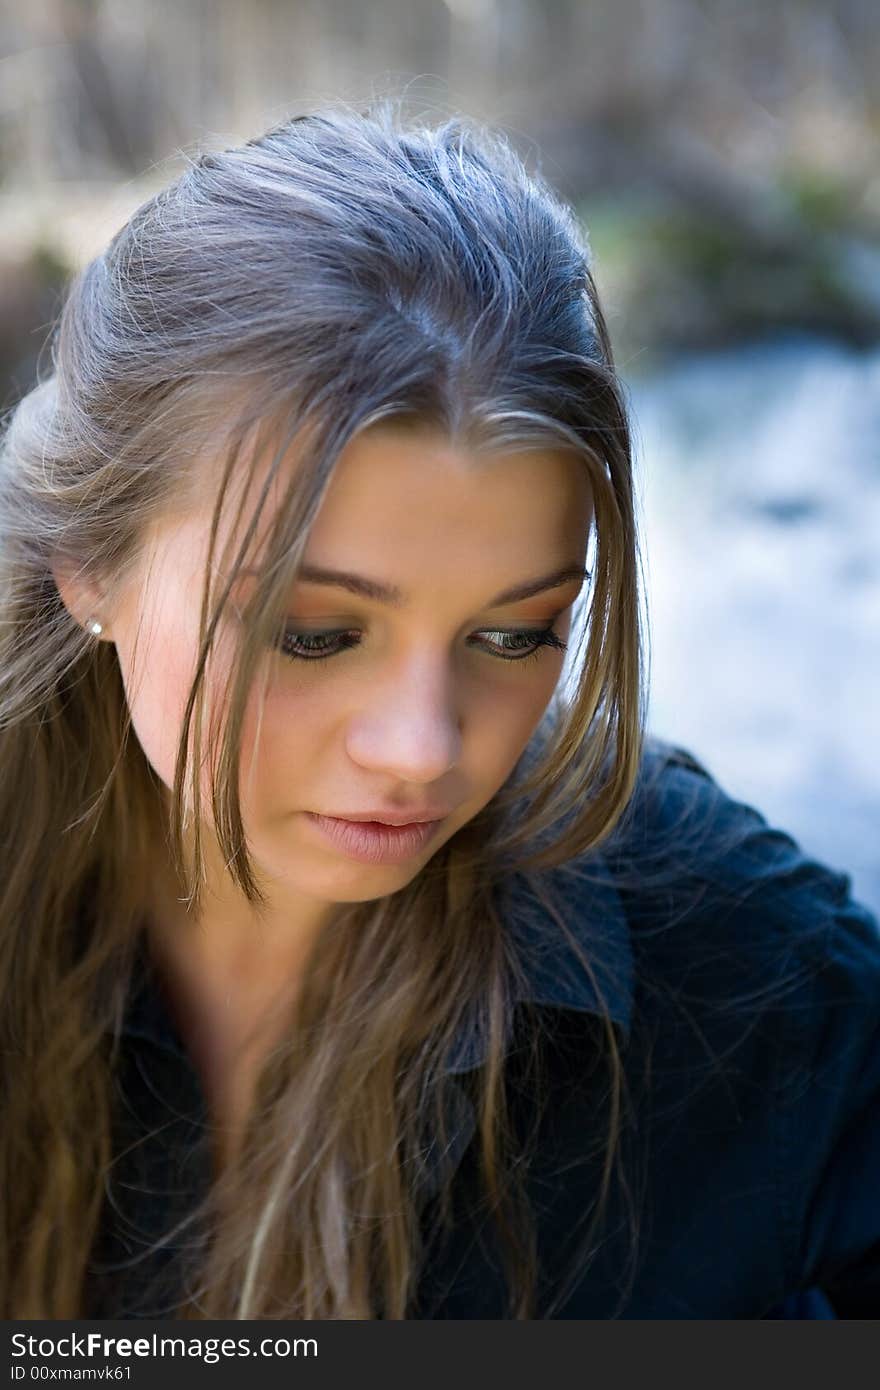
[
  {"x": 404, "y": 504},
  {"x": 405, "y": 495}
]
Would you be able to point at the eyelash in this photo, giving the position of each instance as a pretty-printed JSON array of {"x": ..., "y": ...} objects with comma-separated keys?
[{"x": 543, "y": 637}]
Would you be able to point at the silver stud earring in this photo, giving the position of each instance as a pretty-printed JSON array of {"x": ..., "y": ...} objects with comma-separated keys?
[{"x": 94, "y": 627}]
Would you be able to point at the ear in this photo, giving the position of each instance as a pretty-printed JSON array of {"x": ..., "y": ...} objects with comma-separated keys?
[{"x": 81, "y": 598}]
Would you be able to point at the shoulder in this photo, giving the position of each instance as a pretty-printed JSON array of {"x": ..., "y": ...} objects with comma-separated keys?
[
  {"x": 732, "y": 920},
  {"x": 696, "y": 900},
  {"x": 688, "y": 853}
]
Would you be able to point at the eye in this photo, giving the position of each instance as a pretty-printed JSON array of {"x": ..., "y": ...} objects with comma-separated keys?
[
  {"x": 312, "y": 646},
  {"x": 519, "y": 643},
  {"x": 505, "y": 645}
]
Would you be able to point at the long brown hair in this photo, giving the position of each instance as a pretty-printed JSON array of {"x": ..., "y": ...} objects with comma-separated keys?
[{"x": 342, "y": 269}]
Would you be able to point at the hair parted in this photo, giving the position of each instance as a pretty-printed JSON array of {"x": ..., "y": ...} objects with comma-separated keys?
[{"x": 346, "y": 267}]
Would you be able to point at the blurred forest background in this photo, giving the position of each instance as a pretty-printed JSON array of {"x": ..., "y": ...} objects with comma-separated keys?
[{"x": 723, "y": 156}]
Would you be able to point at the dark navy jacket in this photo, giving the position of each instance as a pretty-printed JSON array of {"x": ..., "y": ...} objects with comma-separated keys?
[{"x": 744, "y": 989}]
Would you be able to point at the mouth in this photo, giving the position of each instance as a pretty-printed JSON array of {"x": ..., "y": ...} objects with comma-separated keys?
[
  {"x": 374, "y": 841},
  {"x": 381, "y": 817}
]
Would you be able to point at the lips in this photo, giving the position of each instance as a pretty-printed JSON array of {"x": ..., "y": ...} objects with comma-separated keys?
[
  {"x": 374, "y": 841},
  {"x": 391, "y": 817}
]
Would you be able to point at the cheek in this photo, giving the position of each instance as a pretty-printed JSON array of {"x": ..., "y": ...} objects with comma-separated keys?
[
  {"x": 506, "y": 714},
  {"x": 157, "y": 679},
  {"x": 284, "y": 736},
  {"x": 157, "y": 675}
]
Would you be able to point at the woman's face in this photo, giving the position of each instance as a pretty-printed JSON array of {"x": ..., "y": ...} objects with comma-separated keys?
[{"x": 409, "y": 689}]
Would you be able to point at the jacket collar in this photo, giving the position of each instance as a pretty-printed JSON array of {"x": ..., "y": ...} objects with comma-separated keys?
[{"x": 552, "y": 972}]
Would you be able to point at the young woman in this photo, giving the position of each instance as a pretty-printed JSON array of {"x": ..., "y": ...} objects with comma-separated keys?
[{"x": 349, "y": 969}]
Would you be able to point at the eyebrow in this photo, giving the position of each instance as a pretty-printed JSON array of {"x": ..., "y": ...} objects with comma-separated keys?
[{"x": 378, "y": 592}]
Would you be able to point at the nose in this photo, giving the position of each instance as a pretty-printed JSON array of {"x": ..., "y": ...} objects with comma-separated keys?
[{"x": 408, "y": 727}]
